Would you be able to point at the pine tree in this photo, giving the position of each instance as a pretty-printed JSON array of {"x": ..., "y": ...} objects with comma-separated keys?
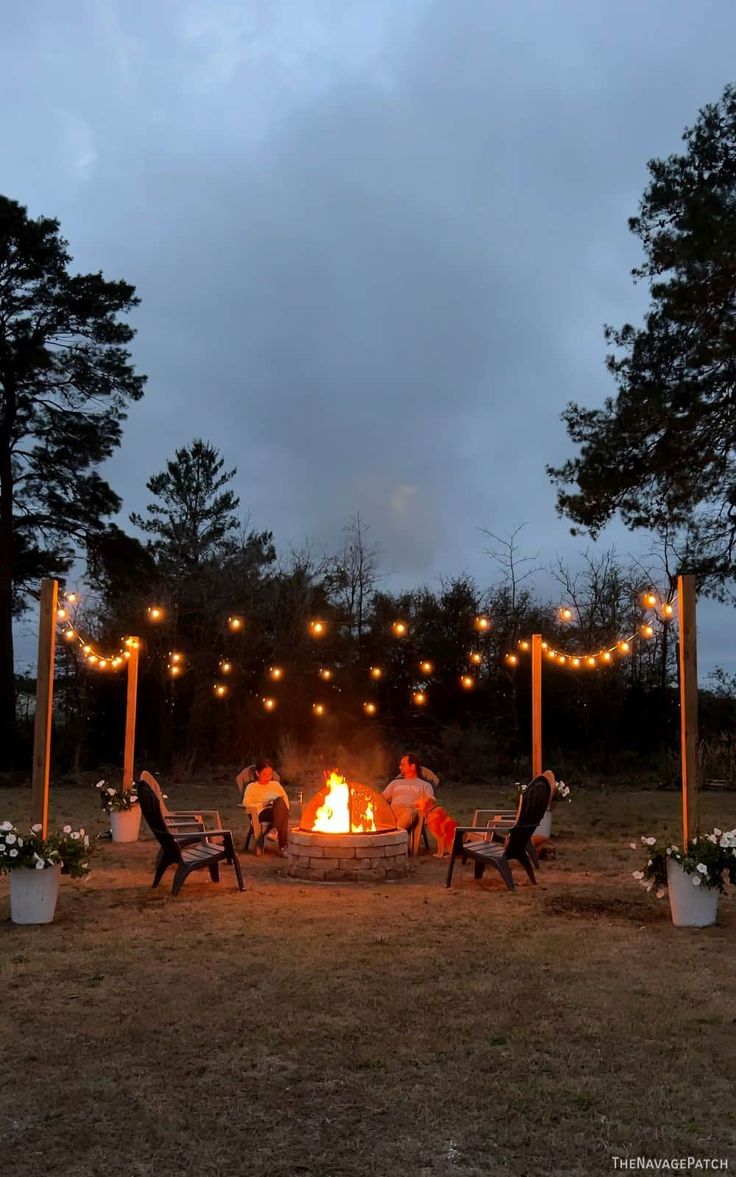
[{"x": 65, "y": 381}]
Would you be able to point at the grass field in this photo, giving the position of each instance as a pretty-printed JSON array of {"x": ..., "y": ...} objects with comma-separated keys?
[{"x": 340, "y": 1030}]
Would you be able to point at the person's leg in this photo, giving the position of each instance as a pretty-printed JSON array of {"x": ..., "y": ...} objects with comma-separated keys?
[
  {"x": 265, "y": 819},
  {"x": 280, "y": 818},
  {"x": 405, "y": 816}
]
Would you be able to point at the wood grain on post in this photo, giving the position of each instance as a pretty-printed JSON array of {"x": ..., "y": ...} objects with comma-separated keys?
[
  {"x": 686, "y": 597},
  {"x": 47, "y": 619},
  {"x": 130, "y": 710},
  {"x": 536, "y": 704}
]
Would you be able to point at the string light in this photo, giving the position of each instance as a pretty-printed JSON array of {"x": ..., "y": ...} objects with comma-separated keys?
[
  {"x": 523, "y": 645},
  {"x": 475, "y": 658},
  {"x": 370, "y": 708},
  {"x": 319, "y": 708},
  {"x": 325, "y": 673},
  {"x": 376, "y": 672},
  {"x": 668, "y": 610},
  {"x": 426, "y": 667},
  {"x": 269, "y": 704},
  {"x": 69, "y": 635},
  {"x": 317, "y": 629},
  {"x": 276, "y": 673},
  {"x": 61, "y": 614},
  {"x": 512, "y": 659},
  {"x": 467, "y": 682},
  {"x": 175, "y": 657},
  {"x": 419, "y": 698},
  {"x": 226, "y": 667},
  {"x": 566, "y": 613},
  {"x": 650, "y": 600},
  {"x": 175, "y": 670},
  {"x": 399, "y": 629},
  {"x": 72, "y": 598},
  {"x": 155, "y": 613},
  {"x": 220, "y": 689},
  {"x": 647, "y": 631},
  {"x": 235, "y": 623},
  {"x": 482, "y": 623}
]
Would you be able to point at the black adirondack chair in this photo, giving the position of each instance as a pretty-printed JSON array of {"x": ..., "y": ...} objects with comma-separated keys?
[
  {"x": 188, "y": 851},
  {"x": 181, "y": 820},
  {"x": 533, "y": 804}
]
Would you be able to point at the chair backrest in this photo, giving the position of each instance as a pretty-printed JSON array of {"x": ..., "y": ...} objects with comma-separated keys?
[
  {"x": 430, "y": 777},
  {"x": 532, "y": 808},
  {"x": 150, "y": 780},
  {"x": 153, "y": 813},
  {"x": 247, "y": 775}
]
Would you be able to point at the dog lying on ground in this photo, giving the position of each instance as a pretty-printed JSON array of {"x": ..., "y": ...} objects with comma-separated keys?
[{"x": 439, "y": 823}]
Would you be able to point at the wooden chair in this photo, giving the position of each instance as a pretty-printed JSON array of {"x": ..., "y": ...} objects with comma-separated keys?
[
  {"x": 486, "y": 852},
  {"x": 188, "y": 851},
  {"x": 244, "y": 778},
  {"x": 182, "y": 819}
]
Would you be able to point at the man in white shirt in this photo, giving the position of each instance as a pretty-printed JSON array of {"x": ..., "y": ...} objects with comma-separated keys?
[{"x": 403, "y": 792}]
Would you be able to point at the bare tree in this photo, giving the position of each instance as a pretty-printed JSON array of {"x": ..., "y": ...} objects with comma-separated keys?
[{"x": 352, "y": 574}]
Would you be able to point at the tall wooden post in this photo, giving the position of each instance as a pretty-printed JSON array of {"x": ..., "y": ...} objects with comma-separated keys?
[
  {"x": 536, "y": 704},
  {"x": 130, "y": 709},
  {"x": 44, "y": 702},
  {"x": 686, "y": 597}
]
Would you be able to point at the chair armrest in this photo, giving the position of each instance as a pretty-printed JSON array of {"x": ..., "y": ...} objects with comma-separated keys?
[
  {"x": 198, "y": 814},
  {"x": 201, "y": 836}
]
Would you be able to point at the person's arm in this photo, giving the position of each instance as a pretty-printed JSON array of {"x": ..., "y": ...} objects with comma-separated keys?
[
  {"x": 248, "y": 799},
  {"x": 282, "y": 793},
  {"x": 388, "y": 792},
  {"x": 427, "y": 789}
]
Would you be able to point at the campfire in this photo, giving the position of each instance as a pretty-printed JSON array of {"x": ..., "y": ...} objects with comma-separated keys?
[
  {"x": 346, "y": 807},
  {"x": 347, "y": 833}
]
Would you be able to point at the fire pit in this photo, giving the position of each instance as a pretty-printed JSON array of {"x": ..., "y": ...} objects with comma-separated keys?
[{"x": 347, "y": 833}]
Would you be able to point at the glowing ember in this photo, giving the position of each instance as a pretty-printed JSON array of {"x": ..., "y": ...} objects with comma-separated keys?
[{"x": 334, "y": 814}]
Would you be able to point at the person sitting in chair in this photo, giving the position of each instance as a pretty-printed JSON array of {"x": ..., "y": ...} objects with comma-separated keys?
[
  {"x": 403, "y": 792},
  {"x": 267, "y": 803}
]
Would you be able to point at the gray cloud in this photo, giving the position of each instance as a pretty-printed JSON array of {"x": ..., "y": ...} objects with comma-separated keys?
[{"x": 375, "y": 243}]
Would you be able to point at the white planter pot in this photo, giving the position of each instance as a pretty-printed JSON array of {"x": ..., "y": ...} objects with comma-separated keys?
[
  {"x": 691, "y": 907},
  {"x": 125, "y": 824},
  {"x": 544, "y": 829},
  {"x": 33, "y": 894}
]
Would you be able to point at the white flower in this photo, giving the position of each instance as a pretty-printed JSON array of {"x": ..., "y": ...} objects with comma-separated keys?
[
  {"x": 649, "y": 841},
  {"x": 649, "y": 886},
  {"x": 638, "y": 874},
  {"x": 660, "y": 893},
  {"x": 74, "y": 835},
  {"x": 6, "y": 825},
  {"x": 13, "y": 853},
  {"x": 67, "y": 829},
  {"x": 100, "y": 784},
  {"x": 695, "y": 880},
  {"x": 11, "y": 839},
  {"x": 86, "y": 842},
  {"x": 40, "y": 864},
  {"x": 669, "y": 849},
  {"x": 702, "y": 868},
  {"x": 633, "y": 845},
  {"x": 110, "y": 792},
  {"x": 37, "y": 828},
  {"x": 717, "y": 832}
]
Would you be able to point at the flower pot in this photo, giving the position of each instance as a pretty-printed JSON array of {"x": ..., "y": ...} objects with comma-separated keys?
[
  {"x": 126, "y": 824},
  {"x": 33, "y": 894},
  {"x": 544, "y": 829},
  {"x": 691, "y": 907}
]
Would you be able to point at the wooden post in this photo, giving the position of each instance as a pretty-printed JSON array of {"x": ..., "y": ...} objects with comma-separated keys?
[
  {"x": 536, "y": 704},
  {"x": 130, "y": 707},
  {"x": 686, "y": 597},
  {"x": 44, "y": 702}
]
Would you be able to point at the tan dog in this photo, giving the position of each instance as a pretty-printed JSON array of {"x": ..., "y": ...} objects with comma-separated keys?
[{"x": 439, "y": 823}]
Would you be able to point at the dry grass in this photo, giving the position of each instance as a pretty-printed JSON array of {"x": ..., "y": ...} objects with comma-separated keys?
[{"x": 344, "y": 1031}]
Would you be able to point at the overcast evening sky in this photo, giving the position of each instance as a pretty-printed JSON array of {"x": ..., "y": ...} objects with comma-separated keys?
[{"x": 375, "y": 241}]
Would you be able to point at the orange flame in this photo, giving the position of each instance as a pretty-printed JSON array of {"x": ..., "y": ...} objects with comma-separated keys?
[{"x": 334, "y": 814}]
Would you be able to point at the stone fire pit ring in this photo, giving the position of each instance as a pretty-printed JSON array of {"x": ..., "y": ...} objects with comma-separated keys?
[{"x": 322, "y": 857}]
